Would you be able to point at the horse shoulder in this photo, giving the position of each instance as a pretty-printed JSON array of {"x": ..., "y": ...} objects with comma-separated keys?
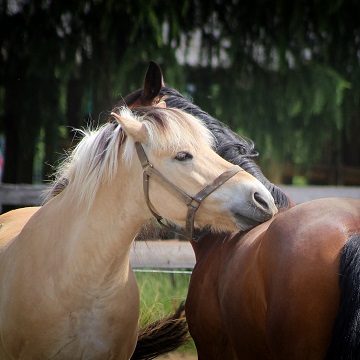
[
  {"x": 12, "y": 222},
  {"x": 202, "y": 304},
  {"x": 241, "y": 293}
]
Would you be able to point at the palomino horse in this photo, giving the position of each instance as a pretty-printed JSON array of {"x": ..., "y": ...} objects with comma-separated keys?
[
  {"x": 67, "y": 288},
  {"x": 287, "y": 289}
]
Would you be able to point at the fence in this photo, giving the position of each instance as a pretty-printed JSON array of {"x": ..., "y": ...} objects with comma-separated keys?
[
  {"x": 30, "y": 195},
  {"x": 20, "y": 195},
  {"x": 301, "y": 194},
  {"x": 171, "y": 254}
]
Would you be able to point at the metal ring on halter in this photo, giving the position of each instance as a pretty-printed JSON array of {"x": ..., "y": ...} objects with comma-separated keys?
[{"x": 192, "y": 202}]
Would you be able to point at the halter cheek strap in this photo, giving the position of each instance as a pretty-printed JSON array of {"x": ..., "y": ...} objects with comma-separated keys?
[{"x": 192, "y": 202}]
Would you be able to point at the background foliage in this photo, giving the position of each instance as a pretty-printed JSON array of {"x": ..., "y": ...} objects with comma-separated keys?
[{"x": 284, "y": 73}]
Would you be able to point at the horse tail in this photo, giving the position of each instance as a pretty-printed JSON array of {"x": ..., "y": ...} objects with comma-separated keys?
[
  {"x": 162, "y": 336},
  {"x": 345, "y": 343}
]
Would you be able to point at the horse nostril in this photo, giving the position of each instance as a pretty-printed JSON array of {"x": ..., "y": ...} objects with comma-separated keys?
[{"x": 263, "y": 203}]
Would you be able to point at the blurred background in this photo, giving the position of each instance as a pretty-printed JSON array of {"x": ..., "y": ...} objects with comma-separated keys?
[{"x": 284, "y": 73}]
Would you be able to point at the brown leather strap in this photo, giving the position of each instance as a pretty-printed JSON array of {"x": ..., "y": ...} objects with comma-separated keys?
[
  {"x": 192, "y": 202},
  {"x": 161, "y": 179},
  {"x": 206, "y": 191}
]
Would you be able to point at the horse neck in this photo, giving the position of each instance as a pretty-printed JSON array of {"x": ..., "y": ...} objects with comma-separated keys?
[
  {"x": 205, "y": 246},
  {"x": 97, "y": 242}
]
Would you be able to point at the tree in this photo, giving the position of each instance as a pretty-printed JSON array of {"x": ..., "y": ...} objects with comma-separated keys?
[
  {"x": 284, "y": 73},
  {"x": 290, "y": 77},
  {"x": 60, "y": 59},
  {"x": 30, "y": 58}
]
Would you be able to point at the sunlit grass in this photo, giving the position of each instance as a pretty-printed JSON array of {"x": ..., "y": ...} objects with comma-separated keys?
[{"x": 160, "y": 295}]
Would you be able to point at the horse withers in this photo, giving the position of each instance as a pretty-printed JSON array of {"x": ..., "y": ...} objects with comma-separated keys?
[{"x": 68, "y": 290}]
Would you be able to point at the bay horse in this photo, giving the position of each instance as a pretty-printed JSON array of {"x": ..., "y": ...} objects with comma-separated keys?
[
  {"x": 288, "y": 288},
  {"x": 67, "y": 288}
]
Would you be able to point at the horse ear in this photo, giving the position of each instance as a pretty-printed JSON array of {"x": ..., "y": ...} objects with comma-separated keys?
[
  {"x": 153, "y": 83},
  {"x": 132, "y": 128},
  {"x": 161, "y": 104}
]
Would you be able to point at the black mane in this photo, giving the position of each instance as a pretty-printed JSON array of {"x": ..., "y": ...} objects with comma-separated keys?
[{"x": 229, "y": 145}]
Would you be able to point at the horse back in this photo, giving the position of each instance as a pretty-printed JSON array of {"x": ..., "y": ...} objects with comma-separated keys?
[{"x": 12, "y": 222}]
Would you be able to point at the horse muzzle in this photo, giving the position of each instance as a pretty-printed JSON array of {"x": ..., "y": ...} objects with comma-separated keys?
[{"x": 254, "y": 209}]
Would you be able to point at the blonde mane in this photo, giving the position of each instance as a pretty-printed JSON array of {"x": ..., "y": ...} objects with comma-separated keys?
[{"x": 95, "y": 160}]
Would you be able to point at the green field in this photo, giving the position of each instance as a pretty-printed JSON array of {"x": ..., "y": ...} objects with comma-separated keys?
[{"x": 160, "y": 294}]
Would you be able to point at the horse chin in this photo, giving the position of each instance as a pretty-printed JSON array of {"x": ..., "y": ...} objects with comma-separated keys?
[{"x": 245, "y": 223}]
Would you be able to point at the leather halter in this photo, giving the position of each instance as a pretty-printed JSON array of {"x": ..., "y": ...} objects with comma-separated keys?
[{"x": 192, "y": 202}]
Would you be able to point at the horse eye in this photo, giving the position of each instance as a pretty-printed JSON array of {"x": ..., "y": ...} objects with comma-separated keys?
[{"x": 183, "y": 156}]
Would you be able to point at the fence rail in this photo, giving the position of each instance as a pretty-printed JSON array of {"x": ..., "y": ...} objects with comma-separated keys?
[
  {"x": 22, "y": 194},
  {"x": 302, "y": 194},
  {"x": 171, "y": 254},
  {"x": 31, "y": 195}
]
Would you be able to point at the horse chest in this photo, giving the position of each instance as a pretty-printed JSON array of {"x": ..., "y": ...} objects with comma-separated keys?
[
  {"x": 102, "y": 329},
  {"x": 98, "y": 341},
  {"x": 82, "y": 335},
  {"x": 106, "y": 331}
]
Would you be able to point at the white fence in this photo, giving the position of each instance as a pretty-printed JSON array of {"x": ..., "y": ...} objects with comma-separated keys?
[
  {"x": 302, "y": 194},
  {"x": 22, "y": 195},
  {"x": 30, "y": 195},
  {"x": 171, "y": 254}
]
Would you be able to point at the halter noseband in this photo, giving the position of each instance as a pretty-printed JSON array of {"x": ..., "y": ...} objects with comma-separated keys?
[{"x": 192, "y": 202}]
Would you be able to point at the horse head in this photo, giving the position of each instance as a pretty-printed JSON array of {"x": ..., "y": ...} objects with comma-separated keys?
[
  {"x": 229, "y": 145},
  {"x": 189, "y": 163}
]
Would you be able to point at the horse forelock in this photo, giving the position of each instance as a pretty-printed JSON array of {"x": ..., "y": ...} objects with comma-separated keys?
[{"x": 170, "y": 129}]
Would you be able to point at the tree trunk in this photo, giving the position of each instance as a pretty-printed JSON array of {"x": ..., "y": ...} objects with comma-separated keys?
[{"x": 21, "y": 119}]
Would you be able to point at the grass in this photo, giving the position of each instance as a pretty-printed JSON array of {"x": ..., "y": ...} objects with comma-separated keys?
[{"x": 160, "y": 295}]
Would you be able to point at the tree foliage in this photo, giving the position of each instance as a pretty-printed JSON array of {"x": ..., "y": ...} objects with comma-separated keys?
[
  {"x": 290, "y": 78},
  {"x": 285, "y": 73},
  {"x": 62, "y": 59}
]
